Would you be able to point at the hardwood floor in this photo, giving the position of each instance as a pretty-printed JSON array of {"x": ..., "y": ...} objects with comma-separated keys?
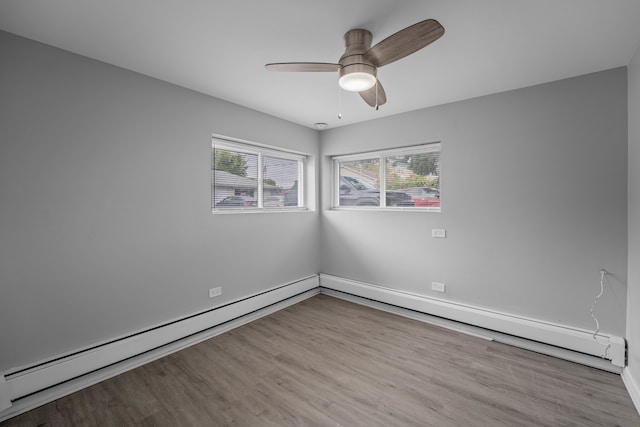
[{"x": 328, "y": 362}]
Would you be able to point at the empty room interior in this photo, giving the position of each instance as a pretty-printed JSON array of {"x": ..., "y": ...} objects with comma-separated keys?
[{"x": 320, "y": 213}]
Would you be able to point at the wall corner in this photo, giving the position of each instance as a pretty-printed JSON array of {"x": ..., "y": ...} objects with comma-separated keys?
[{"x": 632, "y": 386}]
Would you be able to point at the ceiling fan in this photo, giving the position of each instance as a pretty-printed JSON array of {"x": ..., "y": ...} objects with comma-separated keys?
[{"x": 357, "y": 67}]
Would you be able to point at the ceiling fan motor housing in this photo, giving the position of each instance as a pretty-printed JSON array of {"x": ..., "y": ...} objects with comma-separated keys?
[{"x": 357, "y": 43}]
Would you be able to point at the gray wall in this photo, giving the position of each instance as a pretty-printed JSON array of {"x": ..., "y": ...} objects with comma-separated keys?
[
  {"x": 534, "y": 201},
  {"x": 633, "y": 295},
  {"x": 105, "y": 219}
]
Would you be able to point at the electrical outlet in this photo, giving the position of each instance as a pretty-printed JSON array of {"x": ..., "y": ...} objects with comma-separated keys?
[
  {"x": 215, "y": 292},
  {"x": 438, "y": 287},
  {"x": 439, "y": 232}
]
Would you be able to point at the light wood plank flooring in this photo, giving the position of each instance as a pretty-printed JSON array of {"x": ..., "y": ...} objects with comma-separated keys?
[{"x": 328, "y": 362}]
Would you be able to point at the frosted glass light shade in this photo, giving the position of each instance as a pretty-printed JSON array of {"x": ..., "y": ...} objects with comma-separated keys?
[{"x": 357, "y": 81}]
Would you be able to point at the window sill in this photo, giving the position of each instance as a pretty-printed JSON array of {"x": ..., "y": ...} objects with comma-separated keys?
[
  {"x": 390, "y": 209},
  {"x": 228, "y": 211}
]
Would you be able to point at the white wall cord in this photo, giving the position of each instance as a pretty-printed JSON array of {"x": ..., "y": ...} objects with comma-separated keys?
[{"x": 593, "y": 307}]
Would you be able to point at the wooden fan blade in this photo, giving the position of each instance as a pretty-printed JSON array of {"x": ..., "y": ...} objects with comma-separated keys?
[
  {"x": 302, "y": 66},
  {"x": 369, "y": 95},
  {"x": 405, "y": 42}
]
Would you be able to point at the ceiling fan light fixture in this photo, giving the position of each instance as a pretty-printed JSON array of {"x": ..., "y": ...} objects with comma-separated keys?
[
  {"x": 357, "y": 77},
  {"x": 357, "y": 82}
]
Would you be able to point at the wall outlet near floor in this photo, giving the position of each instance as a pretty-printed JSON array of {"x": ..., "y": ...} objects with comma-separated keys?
[
  {"x": 438, "y": 287},
  {"x": 215, "y": 292},
  {"x": 439, "y": 232}
]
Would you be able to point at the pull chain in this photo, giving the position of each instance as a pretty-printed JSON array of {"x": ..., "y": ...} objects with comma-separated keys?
[{"x": 339, "y": 103}]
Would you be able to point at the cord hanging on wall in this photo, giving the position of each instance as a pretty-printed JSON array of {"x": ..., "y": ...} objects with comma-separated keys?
[{"x": 592, "y": 311}]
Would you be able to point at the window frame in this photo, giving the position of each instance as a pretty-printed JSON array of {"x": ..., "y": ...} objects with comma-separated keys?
[
  {"x": 381, "y": 156},
  {"x": 261, "y": 151}
]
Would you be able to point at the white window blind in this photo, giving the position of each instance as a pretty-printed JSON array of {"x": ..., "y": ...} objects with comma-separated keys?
[
  {"x": 408, "y": 178},
  {"x": 247, "y": 177}
]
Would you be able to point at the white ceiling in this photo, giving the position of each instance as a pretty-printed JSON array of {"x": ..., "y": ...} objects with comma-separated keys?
[{"x": 220, "y": 47}]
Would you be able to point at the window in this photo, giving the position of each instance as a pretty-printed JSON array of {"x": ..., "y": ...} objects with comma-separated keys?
[
  {"x": 248, "y": 177},
  {"x": 408, "y": 177}
]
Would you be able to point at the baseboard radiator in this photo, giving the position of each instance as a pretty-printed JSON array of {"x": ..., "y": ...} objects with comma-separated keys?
[
  {"x": 604, "y": 351},
  {"x": 28, "y": 387}
]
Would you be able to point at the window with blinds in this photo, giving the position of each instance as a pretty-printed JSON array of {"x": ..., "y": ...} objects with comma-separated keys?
[
  {"x": 408, "y": 178},
  {"x": 247, "y": 177}
]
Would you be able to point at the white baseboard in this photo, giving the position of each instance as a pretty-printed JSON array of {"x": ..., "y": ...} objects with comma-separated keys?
[
  {"x": 26, "y": 388},
  {"x": 633, "y": 387},
  {"x": 562, "y": 336},
  {"x": 535, "y": 346}
]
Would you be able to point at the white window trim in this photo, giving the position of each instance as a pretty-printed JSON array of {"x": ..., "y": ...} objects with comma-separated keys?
[
  {"x": 380, "y": 155},
  {"x": 260, "y": 150}
]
